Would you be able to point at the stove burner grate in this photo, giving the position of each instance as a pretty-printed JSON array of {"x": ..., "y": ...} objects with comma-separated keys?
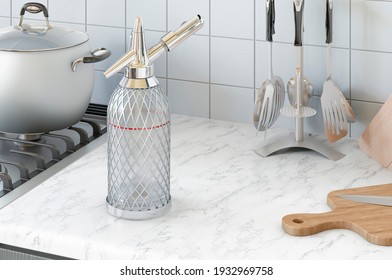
[{"x": 42, "y": 152}]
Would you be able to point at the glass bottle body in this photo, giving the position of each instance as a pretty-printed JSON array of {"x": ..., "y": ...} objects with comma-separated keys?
[{"x": 138, "y": 153}]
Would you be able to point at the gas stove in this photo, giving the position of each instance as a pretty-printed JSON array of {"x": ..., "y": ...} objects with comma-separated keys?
[{"x": 28, "y": 160}]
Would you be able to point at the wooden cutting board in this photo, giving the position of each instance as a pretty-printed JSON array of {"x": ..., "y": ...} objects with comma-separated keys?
[{"x": 372, "y": 222}]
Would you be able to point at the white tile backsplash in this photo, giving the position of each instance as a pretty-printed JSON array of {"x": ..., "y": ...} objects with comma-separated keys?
[
  {"x": 365, "y": 112},
  {"x": 371, "y": 76},
  {"x": 189, "y": 98},
  {"x": 232, "y": 103},
  {"x": 215, "y": 73},
  {"x": 232, "y": 62},
  {"x": 153, "y": 13},
  {"x": 232, "y": 18},
  {"x": 72, "y": 26},
  {"x": 182, "y": 10},
  {"x": 371, "y": 25},
  {"x": 67, "y": 11},
  {"x": 5, "y": 8},
  {"x": 106, "y": 12},
  {"x": 190, "y": 60}
]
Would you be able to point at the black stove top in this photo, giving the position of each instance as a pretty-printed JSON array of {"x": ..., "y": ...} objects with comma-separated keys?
[{"x": 25, "y": 157}]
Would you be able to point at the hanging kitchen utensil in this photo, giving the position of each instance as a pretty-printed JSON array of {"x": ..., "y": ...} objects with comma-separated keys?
[
  {"x": 307, "y": 86},
  {"x": 47, "y": 75},
  {"x": 332, "y": 99},
  {"x": 276, "y": 80},
  {"x": 298, "y": 109},
  {"x": 270, "y": 96},
  {"x": 371, "y": 221}
]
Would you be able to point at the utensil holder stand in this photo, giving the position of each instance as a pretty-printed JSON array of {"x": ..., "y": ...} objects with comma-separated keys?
[
  {"x": 299, "y": 112},
  {"x": 299, "y": 140}
]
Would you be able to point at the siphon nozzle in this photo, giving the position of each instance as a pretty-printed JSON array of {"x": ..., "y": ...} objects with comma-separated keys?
[{"x": 167, "y": 43}]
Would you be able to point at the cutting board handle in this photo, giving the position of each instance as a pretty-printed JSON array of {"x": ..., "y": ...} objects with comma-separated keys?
[{"x": 308, "y": 224}]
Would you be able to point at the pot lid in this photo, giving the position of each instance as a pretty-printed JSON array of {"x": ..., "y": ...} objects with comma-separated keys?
[{"x": 27, "y": 38}]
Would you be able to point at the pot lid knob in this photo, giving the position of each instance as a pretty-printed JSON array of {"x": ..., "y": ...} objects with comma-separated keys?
[{"x": 34, "y": 8}]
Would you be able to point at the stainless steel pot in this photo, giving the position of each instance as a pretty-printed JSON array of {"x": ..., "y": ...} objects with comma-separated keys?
[{"x": 46, "y": 75}]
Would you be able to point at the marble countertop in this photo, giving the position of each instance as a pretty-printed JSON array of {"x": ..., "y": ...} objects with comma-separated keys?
[{"x": 227, "y": 202}]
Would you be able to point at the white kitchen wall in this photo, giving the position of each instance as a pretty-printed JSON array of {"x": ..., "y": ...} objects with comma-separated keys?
[{"x": 216, "y": 73}]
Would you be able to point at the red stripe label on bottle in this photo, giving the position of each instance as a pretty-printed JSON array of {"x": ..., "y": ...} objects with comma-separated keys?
[{"x": 139, "y": 128}]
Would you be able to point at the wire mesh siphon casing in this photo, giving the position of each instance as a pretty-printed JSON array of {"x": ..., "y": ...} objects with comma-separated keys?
[
  {"x": 139, "y": 129},
  {"x": 138, "y": 153}
]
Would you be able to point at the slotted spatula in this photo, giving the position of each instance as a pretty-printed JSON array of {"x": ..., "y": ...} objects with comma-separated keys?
[
  {"x": 270, "y": 97},
  {"x": 332, "y": 99}
]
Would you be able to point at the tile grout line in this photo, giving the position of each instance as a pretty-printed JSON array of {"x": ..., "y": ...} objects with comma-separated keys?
[
  {"x": 10, "y": 12},
  {"x": 254, "y": 50},
  {"x": 188, "y": 81},
  {"x": 209, "y": 62},
  {"x": 166, "y": 53},
  {"x": 85, "y": 15},
  {"x": 125, "y": 29}
]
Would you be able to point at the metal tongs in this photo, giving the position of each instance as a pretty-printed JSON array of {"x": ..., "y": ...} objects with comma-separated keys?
[{"x": 168, "y": 42}]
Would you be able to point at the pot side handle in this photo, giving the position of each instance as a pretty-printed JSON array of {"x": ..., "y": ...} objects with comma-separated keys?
[{"x": 97, "y": 56}]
